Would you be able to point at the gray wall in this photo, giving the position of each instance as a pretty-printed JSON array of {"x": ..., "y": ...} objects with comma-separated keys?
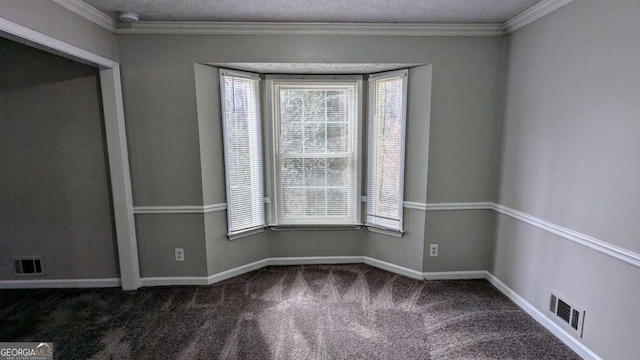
[
  {"x": 59, "y": 23},
  {"x": 571, "y": 150},
  {"x": 53, "y": 184},
  {"x": 172, "y": 163}
]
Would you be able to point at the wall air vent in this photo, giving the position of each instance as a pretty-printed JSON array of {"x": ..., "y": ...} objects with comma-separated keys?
[
  {"x": 567, "y": 314},
  {"x": 29, "y": 266}
]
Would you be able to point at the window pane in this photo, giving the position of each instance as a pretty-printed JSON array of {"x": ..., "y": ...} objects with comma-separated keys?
[
  {"x": 314, "y": 138},
  {"x": 243, "y": 153},
  {"x": 386, "y": 151},
  {"x": 336, "y": 197},
  {"x": 293, "y": 202},
  {"x": 292, "y": 140},
  {"x": 338, "y": 172},
  {"x": 316, "y": 171},
  {"x": 316, "y": 202},
  {"x": 337, "y": 138},
  {"x": 292, "y": 173}
]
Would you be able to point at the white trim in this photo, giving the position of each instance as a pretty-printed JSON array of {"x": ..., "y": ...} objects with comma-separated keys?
[
  {"x": 245, "y": 233},
  {"x": 293, "y": 28},
  {"x": 459, "y": 206},
  {"x": 393, "y": 268},
  {"x": 533, "y": 13},
  {"x": 448, "y": 206},
  {"x": 52, "y": 45},
  {"x": 174, "y": 281},
  {"x": 414, "y": 205},
  {"x": 316, "y": 260},
  {"x": 528, "y": 16},
  {"x": 539, "y": 316},
  {"x": 117, "y": 152},
  {"x": 383, "y": 231},
  {"x": 316, "y": 227},
  {"x": 214, "y": 208},
  {"x": 88, "y": 12},
  {"x": 616, "y": 252},
  {"x": 455, "y": 275},
  {"x": 182, "y": 209},
  {"x": 59, "y": 283},
  {"x": 239, "y": 74},
  {"x": 279, "y": 261},
  {"x": 111, "y": 92},
  {"x": 238, "y": 271}
]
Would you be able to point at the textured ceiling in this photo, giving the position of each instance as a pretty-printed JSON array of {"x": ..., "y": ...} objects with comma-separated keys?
[{"x": 343, "y": 11}]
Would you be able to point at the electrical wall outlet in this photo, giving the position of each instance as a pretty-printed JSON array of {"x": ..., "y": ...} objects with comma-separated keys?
[
  {"x": 179, "y": 254},
  {"x": 433, "y": 250}
]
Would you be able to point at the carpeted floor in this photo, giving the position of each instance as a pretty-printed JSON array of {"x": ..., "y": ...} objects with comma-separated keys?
[{"x": 287, "y": 312}]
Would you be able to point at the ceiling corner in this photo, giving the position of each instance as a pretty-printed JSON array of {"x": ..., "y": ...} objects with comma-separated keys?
[
  {"x": 533, "y": 13},
  {"x": 88, "y": 12}
]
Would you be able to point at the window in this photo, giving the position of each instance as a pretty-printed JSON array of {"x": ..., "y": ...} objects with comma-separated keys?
[
  {"x": 315, "y": 149},
  {"x": 386, "y": 145},
  {"x": 242, "y": 152}
]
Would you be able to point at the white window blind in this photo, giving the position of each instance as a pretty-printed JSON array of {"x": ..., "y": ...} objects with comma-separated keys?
[
  {"x": 386, "y": 145},
  {"x": 242, "y": 151},
  {"x": 316, "y": 152}
]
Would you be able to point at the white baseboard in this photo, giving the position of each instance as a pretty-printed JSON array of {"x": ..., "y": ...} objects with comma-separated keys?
[
  {"x": 541, "y": 318},
  {"x": 455, "y": 275},
  {"x": 224, "y": 275},
  {"x": 212, "y": 279},
  {"x": 59, "y": 283},
  {"x": 174, "y": 281},
  {"x": 315, "y": 260},
  {"x": 393, "y": 268}
]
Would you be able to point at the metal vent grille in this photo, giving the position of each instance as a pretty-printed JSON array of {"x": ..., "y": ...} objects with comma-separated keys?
[
  {"x": 29, "y": 266},
  {"x": 568, "y": 313},
  {"x": 564, "y": 311},
  {"x": 552, "y": 303},
  {"x": 575, "y": 319}
]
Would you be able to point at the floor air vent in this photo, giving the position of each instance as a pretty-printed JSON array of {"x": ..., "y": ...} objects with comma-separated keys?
[
  {"x": 566, "y": 313},
  {"x": 27, "y": 266}
]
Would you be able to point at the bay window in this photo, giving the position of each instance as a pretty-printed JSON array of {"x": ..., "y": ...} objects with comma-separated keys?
[{"x": 314, "y": 151}]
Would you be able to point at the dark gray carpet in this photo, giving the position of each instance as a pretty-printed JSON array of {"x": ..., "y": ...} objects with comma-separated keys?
[{"x": 288, "y": 312}]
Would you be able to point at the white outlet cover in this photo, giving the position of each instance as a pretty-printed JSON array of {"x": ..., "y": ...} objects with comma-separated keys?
[{"x": 179, "y": 254}]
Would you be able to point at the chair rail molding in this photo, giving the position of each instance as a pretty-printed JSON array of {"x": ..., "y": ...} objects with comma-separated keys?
[
  {"x": 616, "y": 252},
  {"x": 180, "y": 209}
]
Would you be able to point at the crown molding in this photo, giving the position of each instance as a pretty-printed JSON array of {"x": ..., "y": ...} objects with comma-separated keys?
[
  {"x": 97, "y": 17},
  {"x": 262, "y": 28},
  {"x": 88, "y": 12},
  {"x": 532, "y": 14}
]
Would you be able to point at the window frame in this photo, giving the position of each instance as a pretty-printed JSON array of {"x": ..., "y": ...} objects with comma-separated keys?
[
  {"x": 371, "y": 115},
  {"x": 270, "y": 151},
  {"x": 232, "y": 235}
]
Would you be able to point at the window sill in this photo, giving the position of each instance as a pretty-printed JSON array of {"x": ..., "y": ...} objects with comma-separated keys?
[
  {"x": 243, "y": 234},
  {"x": 315, "y": 227},
  {"x": 389, "y": 232}
]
